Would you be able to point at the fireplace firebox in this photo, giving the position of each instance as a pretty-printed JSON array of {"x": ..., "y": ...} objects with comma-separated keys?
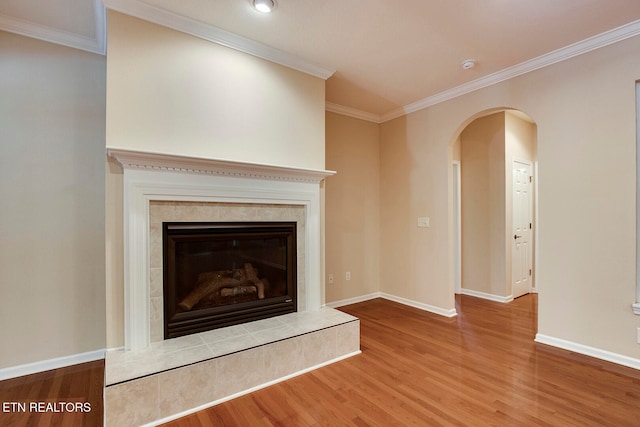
[{"x": 219, "y": 274}]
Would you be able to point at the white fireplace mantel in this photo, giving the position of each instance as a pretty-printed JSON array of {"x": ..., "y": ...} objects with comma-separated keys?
[
  {"x": 155, "y": 176},
  {"x": 147, "y": 160}
]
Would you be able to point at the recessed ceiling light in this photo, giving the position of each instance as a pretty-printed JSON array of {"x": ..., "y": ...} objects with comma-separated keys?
[
  {"x": 264, "y": 6},
  {"x": 468, "y": 64}
]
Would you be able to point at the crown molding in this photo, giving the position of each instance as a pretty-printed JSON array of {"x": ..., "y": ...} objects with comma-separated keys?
[
  {"x": 601, "y": 40},
  {"x": 596, "y": 42},
  {"x": 352, "y": 112},
  {"x": 214, "y": 34},
  {"x": 148, "y": 160},
  {"x": 101, "y": 26},
  {"x": 61, "y": 37}
]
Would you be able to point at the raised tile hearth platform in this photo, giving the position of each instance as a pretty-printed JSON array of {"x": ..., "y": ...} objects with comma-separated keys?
[{"x": 174, "y": 377}]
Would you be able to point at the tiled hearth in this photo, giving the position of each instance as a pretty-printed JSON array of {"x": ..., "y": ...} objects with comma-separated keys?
[
  {"x": 153, "y": 380},
  {"x": 181, "y": 375}
]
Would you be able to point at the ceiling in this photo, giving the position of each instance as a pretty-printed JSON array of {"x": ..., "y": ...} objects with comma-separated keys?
[{"x": 381, "y": 58}]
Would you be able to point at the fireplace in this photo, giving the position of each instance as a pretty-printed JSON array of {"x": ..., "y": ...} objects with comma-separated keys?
[
  {"x": 152, "y": 379},
  {"x": 219, "y": 274},
  {"x": 192, "y": 189}
]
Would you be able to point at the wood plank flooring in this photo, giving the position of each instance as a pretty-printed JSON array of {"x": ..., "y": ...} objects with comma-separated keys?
[
  {"x": 481, "y": 368},
  {"x": 81, "y": 386}
]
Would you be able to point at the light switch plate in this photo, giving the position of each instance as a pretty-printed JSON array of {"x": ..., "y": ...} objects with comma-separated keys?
[{"x": 423, "y": 221}]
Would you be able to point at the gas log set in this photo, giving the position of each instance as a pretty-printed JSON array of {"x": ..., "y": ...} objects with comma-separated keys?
[{"x": 215, "y": 285}]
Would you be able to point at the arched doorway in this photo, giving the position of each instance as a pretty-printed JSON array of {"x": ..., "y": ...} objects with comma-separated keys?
[{"x": 494, "y": 168}]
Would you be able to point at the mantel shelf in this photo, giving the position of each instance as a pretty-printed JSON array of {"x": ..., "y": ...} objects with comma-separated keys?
[{"x": 132, "y": 159}]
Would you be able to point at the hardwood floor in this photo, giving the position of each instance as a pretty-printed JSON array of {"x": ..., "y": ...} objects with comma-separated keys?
[
  {"x": 63, "y": 397},
  {"x": 480, "y": 368}
]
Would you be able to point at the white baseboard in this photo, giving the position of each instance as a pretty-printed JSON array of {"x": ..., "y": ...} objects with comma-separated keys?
[
  {"x": 486, "y": 296},
  {"x": 589, "y": 351},
  {"x": 47, "y": 365},
  {"x": 404, "y": 301},
  {"x": 426, "y": 307},
  {"x": 355, "y": 300}
]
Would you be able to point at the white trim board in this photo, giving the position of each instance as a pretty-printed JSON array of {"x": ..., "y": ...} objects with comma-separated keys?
[
  {"x": 214, "y": 34},
  {"x": 586, "y": 350},
  {"x": 404, "y": 301},
  {"x": 167, "y": 162},
  {"x": 483, "y": 295},
  {"x": 422, "y": 306},
  {"x": 354, "y": 300},
  {"x": 47, "y": 365},
  {"x": 352, "y": 112},
  {"x": 97, "y": 44}
]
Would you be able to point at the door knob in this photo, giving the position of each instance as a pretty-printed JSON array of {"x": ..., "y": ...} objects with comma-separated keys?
[{"x": 515, "y": 236}]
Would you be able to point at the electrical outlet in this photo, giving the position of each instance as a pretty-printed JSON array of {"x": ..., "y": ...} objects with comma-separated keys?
[
  {"x": 423, "y": 221},
  {"x": 347, "y": 275},
  {"x": 330, "y": 278}
]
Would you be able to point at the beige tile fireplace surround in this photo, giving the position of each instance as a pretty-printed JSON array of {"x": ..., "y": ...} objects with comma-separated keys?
[
  {"x": 153, "y": 380},
  {"x": 179, "y": 211}
]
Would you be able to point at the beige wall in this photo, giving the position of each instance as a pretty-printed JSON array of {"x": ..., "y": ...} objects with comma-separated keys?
[
  {"x": 414, "y": 174},
  {"x": 520, "y": 138},
  {"x": 455, "y": 150},
  {"x": 173, "y": 93},
  {"x": 482, "y": 166},
  {"x": 52, "y": 108},
  {"x": 352, "y": 207},
  {"x": 584, "y": 109}
]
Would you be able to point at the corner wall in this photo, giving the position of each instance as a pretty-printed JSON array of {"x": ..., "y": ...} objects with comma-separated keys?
[
  {"x": 352, "y": 207},
  {"x": 52, "y": 131},
  {"x": 483, "y": 186}
]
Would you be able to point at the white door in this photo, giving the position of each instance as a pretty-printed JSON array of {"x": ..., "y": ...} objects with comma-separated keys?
[{"x": 521, "y": 259}]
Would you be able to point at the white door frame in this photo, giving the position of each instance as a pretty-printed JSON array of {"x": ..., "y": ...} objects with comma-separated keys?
[
  {"x": 536, "y": 228},
  {"x": 457, "y": 228}
]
